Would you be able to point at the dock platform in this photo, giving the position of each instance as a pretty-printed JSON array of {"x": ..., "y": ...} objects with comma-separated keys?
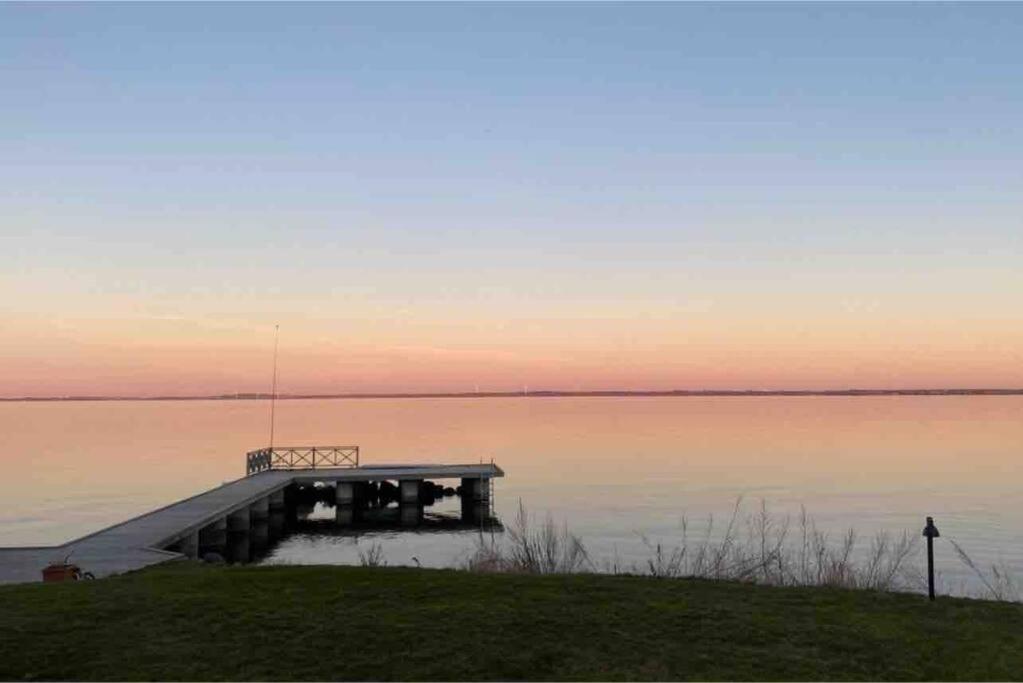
[{"x": 253, "y": 508}]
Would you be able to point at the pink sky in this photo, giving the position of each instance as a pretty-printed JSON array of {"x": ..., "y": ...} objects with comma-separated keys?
[{"x": 182, "y": 357}]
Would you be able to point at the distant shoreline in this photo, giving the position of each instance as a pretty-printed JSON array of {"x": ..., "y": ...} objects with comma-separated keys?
[{"x": 542, "y": 394}]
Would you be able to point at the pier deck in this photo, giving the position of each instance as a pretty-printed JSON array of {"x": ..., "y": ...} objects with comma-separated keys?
[{"x": 141, "y": 541}]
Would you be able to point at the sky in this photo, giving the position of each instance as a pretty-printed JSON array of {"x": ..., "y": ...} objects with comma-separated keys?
[{"x": 552, "y": 196}]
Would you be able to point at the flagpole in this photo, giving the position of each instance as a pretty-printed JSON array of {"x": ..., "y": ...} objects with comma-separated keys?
[{"x": 273, "y": 388}]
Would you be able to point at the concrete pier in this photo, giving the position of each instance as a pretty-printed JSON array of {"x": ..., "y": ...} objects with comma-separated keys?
[{"x": 221, "y": 519}]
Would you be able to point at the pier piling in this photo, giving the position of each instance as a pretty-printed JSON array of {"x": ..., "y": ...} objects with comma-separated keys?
[
  {"x": 213, "y": 538},
  {"x": 238, "y": 527},
  {"x": 411, "y": 507},
  {"x": 344, "y": 500},
  {"x": 277, "y": 510},
  {"x": 475, "y": 499},
  {"x": 259, "y": 525},
  {"x": 189, "y": 546}
]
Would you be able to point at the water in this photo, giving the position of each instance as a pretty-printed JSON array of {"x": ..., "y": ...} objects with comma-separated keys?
[{"x": 610, "y": 468}]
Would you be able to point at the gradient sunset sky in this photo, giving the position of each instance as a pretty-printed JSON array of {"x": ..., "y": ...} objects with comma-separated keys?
[{"x": 561, "y": 196}]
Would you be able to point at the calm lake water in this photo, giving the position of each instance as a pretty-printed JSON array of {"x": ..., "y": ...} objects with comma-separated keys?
[{"x": 612, "y": 469}]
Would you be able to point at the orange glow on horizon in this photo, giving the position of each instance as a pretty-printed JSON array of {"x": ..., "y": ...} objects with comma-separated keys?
[{"x": 170, "y": 357}]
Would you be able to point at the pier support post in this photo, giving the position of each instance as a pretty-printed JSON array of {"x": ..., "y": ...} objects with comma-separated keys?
[
  {"x": 259, "y": 526},
  {"x": 411, "y": 515},
  {"x": 477, "y": 488},
  {"x": 344, "y": 501},
  {"x": 239, "y": 521},
  {"x": 290, "y": 506},
  {"x": 213, "y": 538},
  {"x": 189, "y": 546},
  {"x": 409, "y": 491},
  {"x": 410, "y": 507},
  {"x": 260, "y": 510},
  {"x": 345, "y": 494},
  {"x": 277, "y": 514},
  {"x": 368, "y": 495},
  {"x": 238, "y": 525},
  {"x": 475, "y": 499}
]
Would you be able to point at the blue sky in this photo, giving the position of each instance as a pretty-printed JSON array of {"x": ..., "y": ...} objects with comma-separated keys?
[{"x": 164, "y": 159}]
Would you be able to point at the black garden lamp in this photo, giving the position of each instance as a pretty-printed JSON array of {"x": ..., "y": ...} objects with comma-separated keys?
[{"x": 931, "y": 532}]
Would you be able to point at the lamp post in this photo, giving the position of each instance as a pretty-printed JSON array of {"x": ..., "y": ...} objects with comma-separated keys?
[{"x": 931, "y": 532}]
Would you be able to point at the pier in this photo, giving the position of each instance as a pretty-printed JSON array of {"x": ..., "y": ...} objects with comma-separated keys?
[{"x": 238, "y": 517}]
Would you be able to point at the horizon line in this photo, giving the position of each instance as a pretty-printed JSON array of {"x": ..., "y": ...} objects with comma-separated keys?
[{"x": 555, "y": 393}]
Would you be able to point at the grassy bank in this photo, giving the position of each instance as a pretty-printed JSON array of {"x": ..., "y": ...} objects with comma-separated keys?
[{"x": 189, "y": 621}]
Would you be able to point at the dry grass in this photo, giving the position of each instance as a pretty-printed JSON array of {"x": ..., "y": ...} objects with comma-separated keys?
[
  {"x": 753, "y": 547},
  {"x": 763, "y": 548},
  {"x": 758, "y": 548},
  {"x": 998, "y": 581},
  {"x": 547, "y": 549},
  {"x": 373, "y": 556}
]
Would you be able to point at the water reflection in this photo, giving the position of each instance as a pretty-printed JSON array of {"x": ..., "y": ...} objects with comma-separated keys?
[
  {"x": 615, "y": 470},
  {"x": 315, "y": 527},
  {"x": 440, "y": 539}
]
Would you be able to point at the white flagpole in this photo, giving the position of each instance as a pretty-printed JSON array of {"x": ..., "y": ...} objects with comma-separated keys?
[{"x": 273, "y": 388}]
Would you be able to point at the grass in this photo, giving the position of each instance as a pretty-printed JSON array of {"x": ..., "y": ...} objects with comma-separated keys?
[{"x": 191, "y": 621}]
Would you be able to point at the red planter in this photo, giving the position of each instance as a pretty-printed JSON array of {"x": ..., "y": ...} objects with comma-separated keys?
[{"x": 60, "y": 572}]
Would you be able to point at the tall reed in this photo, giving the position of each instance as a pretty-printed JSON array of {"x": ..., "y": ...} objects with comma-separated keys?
[
  {"x": 998, "y": 581},
  {"x": 759, "y": 547},
  {"x": 373, "y": 556},
  {"x": 547, "y": 549}
]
